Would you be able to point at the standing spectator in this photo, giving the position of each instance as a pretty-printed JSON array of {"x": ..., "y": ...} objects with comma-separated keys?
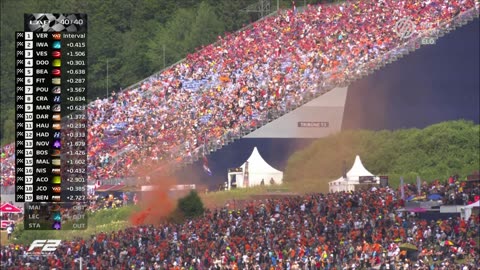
[
  {"x": 135, "y": 199},
  {"x": 125, "y": 198},
  {"x": 9, "y": 231}
]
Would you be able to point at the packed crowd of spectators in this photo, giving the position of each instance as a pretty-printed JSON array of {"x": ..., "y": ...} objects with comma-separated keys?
[
  {"x": 247, "y": 77},
  {"x": 451, "y": 193},
  {"x": 357, "y": 230},
  {"x": 7, "y": 162}
]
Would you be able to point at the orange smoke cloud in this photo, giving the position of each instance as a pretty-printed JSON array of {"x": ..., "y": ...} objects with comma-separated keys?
[{"x": 155, "y": 205}]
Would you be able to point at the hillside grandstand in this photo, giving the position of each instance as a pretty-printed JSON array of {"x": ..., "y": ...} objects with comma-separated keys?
[{"x": 249, "y": 78}]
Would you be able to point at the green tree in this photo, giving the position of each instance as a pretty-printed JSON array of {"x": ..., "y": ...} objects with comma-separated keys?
[
  {"x": 206, "y": 27},
  {"x": 231, "y": 14},
  {"x": 8, "y": 130},
  {"x": 191, "y": 205},
  {"x": 174, "y": 36}
]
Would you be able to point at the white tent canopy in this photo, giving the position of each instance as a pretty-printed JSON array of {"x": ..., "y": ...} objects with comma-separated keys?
[
  {"x": 258, "y": 170},
  {"x": 337, "y": 185},
  {"x": 352, "y": 179},
  {"x": 358, "y": 170}
]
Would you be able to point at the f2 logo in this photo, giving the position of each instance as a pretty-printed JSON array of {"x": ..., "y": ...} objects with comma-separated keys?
[{"x": 46, "y": 245}]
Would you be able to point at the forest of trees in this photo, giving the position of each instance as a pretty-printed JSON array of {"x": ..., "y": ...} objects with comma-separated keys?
[
  {"x": 436, "y": 152},
  {"x": 130, "y": 34}
]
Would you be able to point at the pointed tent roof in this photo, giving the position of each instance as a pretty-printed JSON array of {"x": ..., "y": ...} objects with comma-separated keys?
[
  {"x": 358, "y": 169},
  {"x": 9, "y": 208},
  {"x": 257, "y": 163}
]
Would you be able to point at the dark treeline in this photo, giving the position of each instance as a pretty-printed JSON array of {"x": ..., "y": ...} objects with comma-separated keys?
[{"x": 130, "y": 34}]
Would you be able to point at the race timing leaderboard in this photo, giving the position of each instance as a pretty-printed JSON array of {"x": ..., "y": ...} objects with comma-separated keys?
[{"x": 51, "y": 120}]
